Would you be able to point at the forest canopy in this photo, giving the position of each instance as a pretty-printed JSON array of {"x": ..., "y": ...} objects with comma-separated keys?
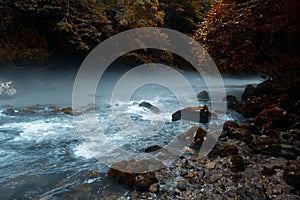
[{"x": 251, "y": 35}]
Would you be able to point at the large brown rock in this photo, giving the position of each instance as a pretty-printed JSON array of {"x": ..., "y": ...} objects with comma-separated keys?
[
  {"x": 123, "y": 172},
  {"x": 197, "y": 114},
  {"x": 223, "y": 151},
  {"x": 251, "y": 107},
  {"x": 263, "y": 89},
  {"x": 233, "y": 130},
  {"x": 273, "y": 147},
  {"x": 274, "y": 116}
]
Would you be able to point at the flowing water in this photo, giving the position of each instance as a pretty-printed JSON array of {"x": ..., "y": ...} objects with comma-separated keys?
[{"x": 42, "y": 154}]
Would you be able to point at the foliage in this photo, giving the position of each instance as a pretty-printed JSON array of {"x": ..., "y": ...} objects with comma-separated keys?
[
  {"x": 31, "y": 29},
  {"x": 21, "y": 42},
  {"x": 84, "y": 24},
  {"x": 250, "y": 35},
  {"x": 184, "y": 15},
  {"x": 139, "y": 13}
]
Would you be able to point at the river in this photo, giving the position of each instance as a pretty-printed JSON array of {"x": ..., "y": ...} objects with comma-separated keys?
[{"x": 42, "y": 153}]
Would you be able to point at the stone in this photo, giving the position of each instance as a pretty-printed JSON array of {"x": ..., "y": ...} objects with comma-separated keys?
[
  {"x": 274, "y": 116},
  {"x": 223, "y": 150},
  {"x": 238, "y": 133},
  {"x": 94, "y": 174},
  {"x": 251, "y": 107},
  {"x": 230, "y": 124},
  {"x": 199, "y": 136},
  {"x": 265, "y": 89},
  {"x": 292, "y": 174},
  {"x": 134, "y": 195},
  {"x": 210, "y": 165},
  {"x": 123, "y": 172},
  {"x": 154, "y": 188},
  {"x": 193, "y": 137},
  {"x": 10, "y": 112},
  {"x": 190, "y": 174},
  {"x": 230, "y": 98},
  {"x": 152, "y": 148},
  {"x": 67, "y": 110},
  {"x": 7, "y": 89},
  {"x": 203, "y": 95},
  {"x": 151, "y": 107},
  {"x": 248, "y": 92},
  {"x": 196, "y": 114},
  {"x": 263, "y": 144},
  {"x": 268, "y": 171},
  {"x": 237, "y": 163}
]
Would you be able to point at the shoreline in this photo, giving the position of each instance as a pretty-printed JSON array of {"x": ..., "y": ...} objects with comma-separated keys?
[{"x": 256, "y": 160}]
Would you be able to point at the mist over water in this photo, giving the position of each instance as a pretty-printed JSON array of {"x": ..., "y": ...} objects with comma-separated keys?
[{"x": 42, "y": 154}]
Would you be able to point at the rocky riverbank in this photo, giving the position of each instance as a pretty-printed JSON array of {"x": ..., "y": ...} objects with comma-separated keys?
[{"x": 256, "y": 160}]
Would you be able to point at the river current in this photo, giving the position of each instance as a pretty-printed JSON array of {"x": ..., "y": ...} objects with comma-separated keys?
[{"x": 42, "y": 153}]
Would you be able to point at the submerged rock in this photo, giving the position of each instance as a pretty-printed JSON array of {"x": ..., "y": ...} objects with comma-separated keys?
[
  {"x": 7, "y": 89},
  {"x": 196, "y": 114},
  {"x": 151, "y": 107},
  {"x": 152, "y": 148}
]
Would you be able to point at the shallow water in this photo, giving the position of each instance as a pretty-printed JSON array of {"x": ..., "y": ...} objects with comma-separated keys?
[{"x": 43, "y": 155}]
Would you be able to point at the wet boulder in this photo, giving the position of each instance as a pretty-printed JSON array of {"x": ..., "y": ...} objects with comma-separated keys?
[
  {"x": 230, "y": 124},
  {"x": 193, "y": 137},
  {"x": 152, "y": 148},
  {"x": 223, "y": 151},
  {"x": 10, "y": 112},
  {"x": 196, "y": 114},
  {"x": 66, "y": 110},
  {"x": 124, "y": 172},
  {"x": 151, "y": 107},
  {"x": 264, "y": 89},
  {"x": 203, "y": 95},
  {"x": 248, "y": 92},
  {"x": 21, "y": 111},
  {"x": 7, "y": 89},
  {"x": 251, "y": 107},
  {"x": 274, "y": 116},
  {"x": 233, "y": 130},
  {"x": 230, "y": 98},
  {"x": 232, "y": 101}
]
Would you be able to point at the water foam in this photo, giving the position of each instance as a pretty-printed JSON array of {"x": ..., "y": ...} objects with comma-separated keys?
[{"x": 38, "y": 130}]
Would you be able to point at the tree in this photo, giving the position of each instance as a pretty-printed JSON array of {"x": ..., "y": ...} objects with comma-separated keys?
[{"x": 254, "y": 35}]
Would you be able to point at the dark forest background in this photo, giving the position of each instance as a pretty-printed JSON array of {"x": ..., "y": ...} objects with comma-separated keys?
[{"x": 251, "y": 35}]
